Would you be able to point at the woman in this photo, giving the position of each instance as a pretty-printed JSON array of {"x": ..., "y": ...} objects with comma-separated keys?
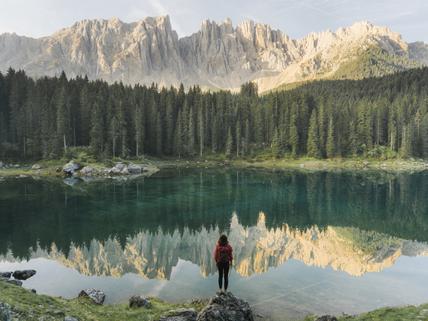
[{"x": 223, "y": 258}]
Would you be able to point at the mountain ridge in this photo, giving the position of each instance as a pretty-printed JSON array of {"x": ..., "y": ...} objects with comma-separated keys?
[{"x": 217, "y": 56}]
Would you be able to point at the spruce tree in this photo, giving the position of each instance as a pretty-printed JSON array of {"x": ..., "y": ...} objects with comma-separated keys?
[
  {"x": 331, "y": 140},
  {"x": 313, "y": 144}
]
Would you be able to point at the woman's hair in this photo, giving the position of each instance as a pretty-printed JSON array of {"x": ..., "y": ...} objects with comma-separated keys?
[{"x": 223, "y": 240}]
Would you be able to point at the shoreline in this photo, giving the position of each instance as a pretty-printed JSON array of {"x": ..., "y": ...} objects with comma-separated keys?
[
  {"x": 52, "y": 168},
  {"x": 26, "y": 305}
]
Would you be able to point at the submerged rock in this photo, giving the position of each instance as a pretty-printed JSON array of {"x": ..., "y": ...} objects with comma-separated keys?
[
  {"x": 180, "y": 315},
  {"x": 14, "y": 282},
  {"x": 138, "y": 301},
  {"x": 5, "y": 314},
  {"x": 327, "y": 318},
  {"x": 5, "y": 275},
  {"x": 226, "y": 307},
  {"x": 24, "y": 275},
  {"x": 97, "y": 296}
]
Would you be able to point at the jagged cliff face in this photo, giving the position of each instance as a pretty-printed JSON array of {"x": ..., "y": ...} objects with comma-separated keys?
[
  {"x": 217, "y": 56},
  {"x": 256, "y": 249}
]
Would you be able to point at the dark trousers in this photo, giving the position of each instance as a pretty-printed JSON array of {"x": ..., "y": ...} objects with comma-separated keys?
[{"x": 223, "y": 272}]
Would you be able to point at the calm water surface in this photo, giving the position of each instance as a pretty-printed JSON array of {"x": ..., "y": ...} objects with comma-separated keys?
[{"x": 304, "y": 243}]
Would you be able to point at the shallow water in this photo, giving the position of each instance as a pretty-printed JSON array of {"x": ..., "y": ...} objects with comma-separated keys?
[{"x": 303, "y": 243}]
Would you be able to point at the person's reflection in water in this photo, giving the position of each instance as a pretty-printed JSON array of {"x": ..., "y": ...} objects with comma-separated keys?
[{"x": 223, "y": 258}]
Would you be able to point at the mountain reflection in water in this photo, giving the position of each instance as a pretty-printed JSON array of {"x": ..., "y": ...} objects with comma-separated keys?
[
  {"x": 256, "y": 249},
  {"x": 294, "y": 234}
]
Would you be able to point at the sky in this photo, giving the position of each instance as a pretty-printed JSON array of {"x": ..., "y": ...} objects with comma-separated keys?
[{"x": 296, "y": 18}]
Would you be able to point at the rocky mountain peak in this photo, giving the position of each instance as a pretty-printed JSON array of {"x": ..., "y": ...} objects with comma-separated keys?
[{"x": 219, "y": 55}]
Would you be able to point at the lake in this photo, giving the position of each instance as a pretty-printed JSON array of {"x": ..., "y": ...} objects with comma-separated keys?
[{"x": 303, "y": 242}]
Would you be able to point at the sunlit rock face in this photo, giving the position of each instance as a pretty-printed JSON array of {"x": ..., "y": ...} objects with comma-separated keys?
[
  {"x": 256, "y": 249},
  {"x": 219, "y": 55}
]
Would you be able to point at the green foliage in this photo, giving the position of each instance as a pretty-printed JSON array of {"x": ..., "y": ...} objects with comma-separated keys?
[
  {"x": 382, "y": 153},
  {"x": 47, "y": 117},
  {"x": 32, "y": 306},
  {"x": 80, "y": 154}
]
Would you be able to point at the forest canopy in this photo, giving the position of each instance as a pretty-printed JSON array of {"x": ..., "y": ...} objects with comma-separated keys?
[{"x": 375, "y": 117}]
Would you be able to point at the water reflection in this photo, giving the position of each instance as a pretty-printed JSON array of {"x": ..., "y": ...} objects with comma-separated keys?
[
  {"x": 294, "y": 234},
  {"x": 257, "y": 248}
]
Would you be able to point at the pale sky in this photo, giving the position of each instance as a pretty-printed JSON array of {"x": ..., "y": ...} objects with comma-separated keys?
[{"x": 296, "y": 18}]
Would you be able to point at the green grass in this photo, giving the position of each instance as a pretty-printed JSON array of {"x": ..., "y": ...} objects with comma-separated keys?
[
  {"x": 29, "y": 306},
  {"x": 263, "y": 159}
]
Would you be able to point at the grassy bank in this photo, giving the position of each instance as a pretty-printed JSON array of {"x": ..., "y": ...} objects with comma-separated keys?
[
  {"x": 305, "y": 164},
  {"x": 27, "y": 306},
  {"x": 408, "y": 313},
  {"x": 51, "y": 168}
]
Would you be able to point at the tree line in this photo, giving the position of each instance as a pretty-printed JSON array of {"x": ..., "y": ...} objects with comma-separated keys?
[{"x": 379, "y": 117}]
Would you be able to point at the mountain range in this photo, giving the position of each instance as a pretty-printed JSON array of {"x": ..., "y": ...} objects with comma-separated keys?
[{"x": 218, "y": 56}]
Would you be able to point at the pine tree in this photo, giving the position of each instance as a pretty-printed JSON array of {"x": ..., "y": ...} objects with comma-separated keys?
[
  {"x": 96, "y": 132},
  {"x": 275, "y": 144},
  {"x": 294, "y": 136},
  {"x": 313, "y": 144},
  {"x": 139, "y": 130},
  {"x": 331, "y": 141},
  {"x": 229, "y": 142}
]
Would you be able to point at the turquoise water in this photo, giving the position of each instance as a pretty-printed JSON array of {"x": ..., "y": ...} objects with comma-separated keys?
[{"x": 303, "y": 242}]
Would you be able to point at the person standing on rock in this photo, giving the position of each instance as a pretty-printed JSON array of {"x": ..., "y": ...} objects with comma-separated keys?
[{"x": 223, "y": 258}]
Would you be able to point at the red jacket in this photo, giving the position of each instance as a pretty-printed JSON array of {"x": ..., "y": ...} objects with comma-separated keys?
[{"x": 220, "y": 248}]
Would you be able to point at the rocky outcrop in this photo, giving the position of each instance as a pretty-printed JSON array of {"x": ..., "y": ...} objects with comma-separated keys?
[
  {"x": 119, "y": 169},
  {"x": 23, "y": 275},
  {"x": 419, "y": 51},
  {"x": 36, "y": 167},
  {"x": 71, "y": 168},
  {"x": 14, "y": 282},
  {"x": 180, "y": 315},
  {"x": 326, "y": 318},
  {"x": 219, "y": 55},
  {"x": 137, "y": 301},
  {"x": 96, "y": 296},
  {"x": 226, "y": 307},
  {"x": 6, "y": 275}
]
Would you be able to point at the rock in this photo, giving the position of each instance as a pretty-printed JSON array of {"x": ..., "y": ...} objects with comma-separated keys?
[
  {"x": 180, "y": 315},
  {"x": 327, "y": 318},
  {"x": 33, "y": 291},
  {"x": 6, "y": 275},
  {"x": 87, "y": 171},
  {"x": 71, "y": 167},
  {"x": 135, "y": 169},
  {"x": 36, "y": 167},
  {"x": 24, "y": 275},
  {"x": 226, "y": 307},
  {"x": 97, "y": 296},
  {"x": 120, "y": 166},
  {"x": 1, "y": 164},
  {"x": 138, "y": 301},
  {"x": 71, "y": 181},
  {"x": 14, "y": 282},
  {"x": 68, "y": 318},
  {"x": 125, "y": 171},
  {"x": 5, "y": 314}
]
